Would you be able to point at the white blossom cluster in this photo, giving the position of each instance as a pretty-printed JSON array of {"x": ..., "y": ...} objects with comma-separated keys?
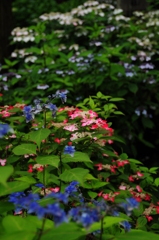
[
  {"x": 72, "y": 17},
  {"x": 23, "y": 35}
]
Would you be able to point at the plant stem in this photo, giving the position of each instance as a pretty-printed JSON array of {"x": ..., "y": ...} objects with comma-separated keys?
[
  {"x": 60, "y": 169},
  {"x": 44, "y": 165},
  {"x": 41, "y": 230},
  {"x": 101, "y": 229},
  {"x": 44, "y": 118},
  {"x": 44, "y": 181}
]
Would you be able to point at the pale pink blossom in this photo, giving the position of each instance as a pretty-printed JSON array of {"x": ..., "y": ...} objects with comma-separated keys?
[
  {"x": 122, "y": 187},
  {"x": 139, "y": 174},
  {"x": 71, "y": 128},
  {"x": 86, "y": 121},
  {"x": 139, "y": 189},
  {"x": 56, "y": 189},
  {"x": 3, "y": 162}
]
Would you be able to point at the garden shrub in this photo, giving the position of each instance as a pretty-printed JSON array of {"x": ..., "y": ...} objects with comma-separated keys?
[
  {"x": 60, "y": 176},
  {"x": 93, "y": 48}
]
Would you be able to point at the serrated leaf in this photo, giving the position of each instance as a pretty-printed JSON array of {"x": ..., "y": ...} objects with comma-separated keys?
[
  {"x": 135, "y": 161},
  {"x": 14, "y": 186},
  {"x": 141, "y": 221},
  {"x": 137, "y": 235},
  {"x": 77, "y": 174},
  {"x": 27, "y": 179},
  {"x": 123, "y": 156},
  {"x": 92, "y": 194},
  {"x": 24, "y": 149},
  {"x": 107, "y": 222},
  {"x": 94, "y": 184},
  {"x": 25, "y": 235},
  {"x": 15, "y": 224},
  {"x": 39, "y": 135},
  {"x": 66, "y": 231},
  {"x": 38, "y": 222},
  {"x": 44, "y": 177},
  {"x": 157, "y": 182},
  {"x": 52, "y": 160},
  {"x": 78, "y": 157},
  {"x": 5, "y": 173}
]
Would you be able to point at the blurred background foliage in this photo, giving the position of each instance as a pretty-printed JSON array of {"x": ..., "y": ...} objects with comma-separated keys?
[{"x": 89, "y": 49}]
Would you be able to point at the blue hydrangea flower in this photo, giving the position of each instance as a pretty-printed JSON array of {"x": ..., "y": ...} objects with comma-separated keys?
[
  {"x": 14, "y": 197},
  {"x": 59, "y": 196},
  {"x": 126, "y": 225},
  {"x": 84, "y": 215},
  {"x": 28, "y": 113},
  {"x": 58, "y": 214},
  {"x": 39, "y": 185},
  {"x": 130, "y": 204},
  {"x": 4, "y": 129},
  {"x": 101, "y": 205},
  {"x": 71, "y": 188},
  {"x": 69, "y": 150},
  {"x": 62, "y": 94},
  {"x": 40, "y": 211},
  {"x": 52, "y": 107}
]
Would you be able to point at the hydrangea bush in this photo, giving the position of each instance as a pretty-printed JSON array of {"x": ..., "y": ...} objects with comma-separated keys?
[
  {"x": 60, "y": 176},
  {"x": 116, "y": 55}
]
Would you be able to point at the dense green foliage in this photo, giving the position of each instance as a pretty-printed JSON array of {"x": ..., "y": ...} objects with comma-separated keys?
[
  {"x": 93, "y": 48},
  {"x": 65, "y": 173}
]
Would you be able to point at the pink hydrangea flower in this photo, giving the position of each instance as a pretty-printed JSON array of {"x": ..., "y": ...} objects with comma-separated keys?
[
  {"x": 71, "y": 128},
  {"x": 3, "y": 162},
  {"x": 139, "y": 189}
]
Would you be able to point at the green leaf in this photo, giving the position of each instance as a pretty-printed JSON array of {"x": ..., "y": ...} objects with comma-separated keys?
[
  {"x": 135, "y": 161},
  {"x": 133, "y": 87},
  {"x": 12, "y": 159},
  {"x": 157, "y": 182},
  {"x": 92, "y": 194},
  {"x": 5, "y": 173},
  {"x": 6, "y": 206},
  {"x": 109, "y": 106},
  {"x": 118, "y": 113},
  {"x": 77, "y": 174},
  {"x": 11, "y": 187},
  {"x": 147, "y": 122},
  {"x": 94, "y": 184},
  {"x": 15, "y": 224},
  {"x": 153, "y": 170},
  {"x": 25, "y": 149},
  {"x": 91, "y": 103},
  {"x": 66, "y": 231},
  {"x": 38, "y": 222},
  {"x": 116, "y": 99},
  {"x": 39, "y": 135},
  {"x": 137, "y": 235},
  {"x": 44, "y": 177},
  {"x": 107, "y": 222},
  {"x": 24, "y": 235},
  {"x": 99, "y": 94},
  {"x": 141, "y": 221},
  {"x": 27, "y": 179},
  {"x": 123, "y": 156},
  {"x": 78, "y": 157},
  {"x": 52, "y": 160}
]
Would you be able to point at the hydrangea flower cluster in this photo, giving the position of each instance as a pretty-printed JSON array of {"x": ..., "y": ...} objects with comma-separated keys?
[
  {"x": 4, "y": 129},
  {"x": 29, "y": 111},
  {"x": 84, "y": 214}
]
